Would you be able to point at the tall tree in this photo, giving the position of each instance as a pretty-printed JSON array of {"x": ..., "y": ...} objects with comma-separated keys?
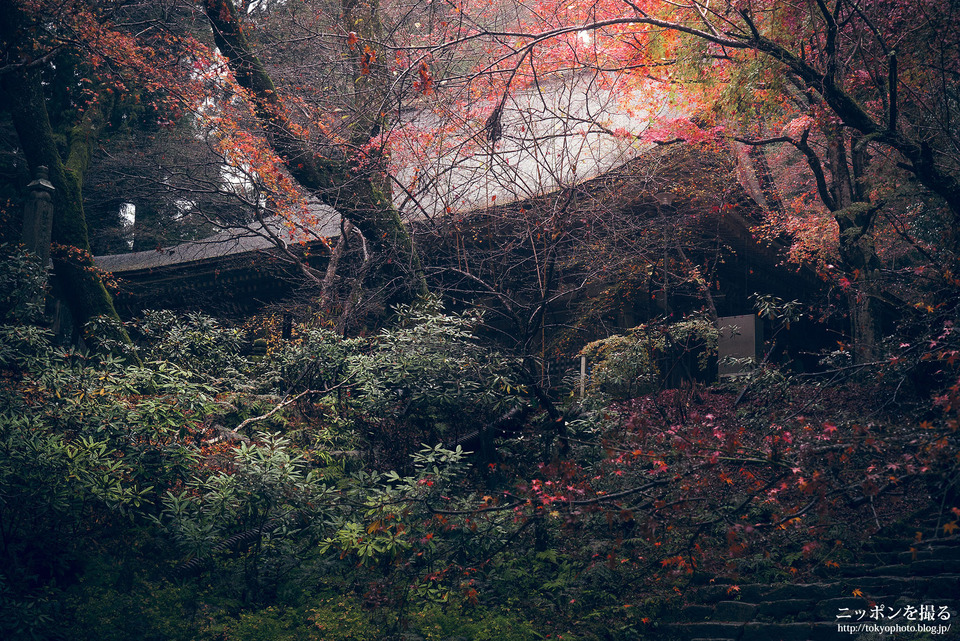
[
  {"x": 148, "y": 55},
  {"x": 24, "y": 99},
  {"x": 869, "y": 105},
  {"x": 351, "y": 179}
]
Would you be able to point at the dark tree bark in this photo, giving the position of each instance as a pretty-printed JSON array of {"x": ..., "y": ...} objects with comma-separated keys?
[
  {"x": 358, "y": 193},
  {"x": 844, "y": 197},
  {"x": 80, "y": 285},
  {"x": 923, "y": 162}
]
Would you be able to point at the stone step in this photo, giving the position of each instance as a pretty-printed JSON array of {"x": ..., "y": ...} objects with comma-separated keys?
[
  {"x": 889, "y": 558},
  {"x": 900, "y": 569},
  {"x": 815, "y": 591},
  {"x": 924, "y": 552},
  {"x": 910, "y": 556},
  {"x": 828, "y": 609},
  {"x": 845, "y": 570},
  {"x": 714, "y": 593},
  {"x": 734, "y": 611},
  {"x": 791, "y": 632},
  {"x": 927, "y": 567},
  {"x": 695, "y": 612},
  {"x": 936, "y": 566},
  {"x": 758, "y": 592},
  {"x": 912, "y": 586},
  {"x": 894, "y": 573},
  {"x": 887, "y": 544},
  {"x": 706, "y": 630},
  {"x": 797, "y": 609}
]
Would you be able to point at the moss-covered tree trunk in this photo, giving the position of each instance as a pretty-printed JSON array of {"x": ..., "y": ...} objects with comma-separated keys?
[
  {"x": 854, "y": 215},
  {"x": 865, "y": 297},
  {"x": 80, "y": 285},
  {"x": 358, "y": 191},
  {"x": 845, "y": 195}
]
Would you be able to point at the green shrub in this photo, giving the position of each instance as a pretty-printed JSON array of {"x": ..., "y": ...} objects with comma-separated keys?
[
  {"x": 23, "y": 285},
  {"x": 341, "y": 618},
  {"x": 437, "y": 623},
  {"x": 627, "y": 366}
]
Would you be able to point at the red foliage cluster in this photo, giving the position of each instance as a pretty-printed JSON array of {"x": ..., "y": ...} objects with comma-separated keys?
[{"x": 690, "y": 481}]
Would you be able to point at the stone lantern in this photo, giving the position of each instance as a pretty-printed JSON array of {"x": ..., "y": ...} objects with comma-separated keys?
[{"x": 38, "y": 216}]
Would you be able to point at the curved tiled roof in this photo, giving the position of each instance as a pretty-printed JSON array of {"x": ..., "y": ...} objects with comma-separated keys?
[
  {"x": 227, "y": 242},
  {"x": 548, "y": 141}
]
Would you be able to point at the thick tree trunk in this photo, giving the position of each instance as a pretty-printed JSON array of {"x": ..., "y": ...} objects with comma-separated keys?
[
  {"x": 80, "y": 285},
  {"x": 844, "y": 197},
  {"x": 859, "y": 254},
  {"x": 358, "y": 193}
]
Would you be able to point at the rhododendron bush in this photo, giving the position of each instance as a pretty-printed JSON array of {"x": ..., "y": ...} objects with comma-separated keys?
[{"x": 278, "y": 480}]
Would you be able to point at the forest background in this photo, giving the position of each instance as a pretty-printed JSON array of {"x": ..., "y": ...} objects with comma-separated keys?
[{"x": 159, "y": 478}]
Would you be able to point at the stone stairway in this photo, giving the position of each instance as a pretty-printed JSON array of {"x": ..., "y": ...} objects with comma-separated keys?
[{"x": 895, "y": 576}]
